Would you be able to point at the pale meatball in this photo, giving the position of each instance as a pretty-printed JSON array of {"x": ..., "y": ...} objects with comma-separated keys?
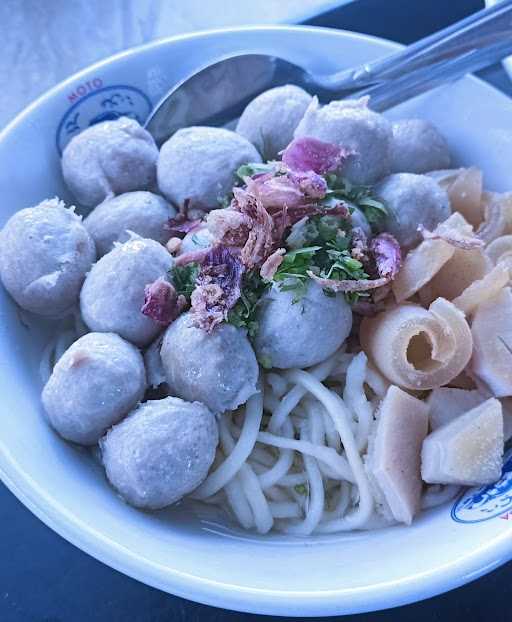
[
  {"x": 418, "y": 147},
  {"x": 45, "y": 252},
  {"x": 218, "y": 368},
  {"x": 109, "y": 158},
  {"x": 96, "y": 382},
  {"x": 200, "y": 164},
  {"x": 113, "y": 292},
  {"x": 142, "y": 212},
  {"x": 269, "y": 121},
  {"x": 161, "y": 452},
  {"x": 359, "y": 220},
  {"x": 354, "y": 126},
  {"x": 300, "y": 333},
  {"x": 412, "y": 200},
  {"x": 198, "y": 238}
]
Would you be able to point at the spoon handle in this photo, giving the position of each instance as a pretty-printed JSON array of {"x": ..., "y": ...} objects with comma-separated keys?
[{"x": 476, "y": 42}]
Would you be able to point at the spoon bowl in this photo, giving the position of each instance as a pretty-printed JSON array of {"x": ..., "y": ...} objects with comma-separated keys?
[{"x": 218, "y": 93}]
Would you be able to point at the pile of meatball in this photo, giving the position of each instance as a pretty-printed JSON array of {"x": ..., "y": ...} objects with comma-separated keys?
[{"x": 53, "y": 262}]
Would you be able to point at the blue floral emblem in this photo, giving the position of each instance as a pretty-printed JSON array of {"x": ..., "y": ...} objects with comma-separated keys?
[
  {"x": 480, "y": 504},
  {"x": 104, "y": 104}
]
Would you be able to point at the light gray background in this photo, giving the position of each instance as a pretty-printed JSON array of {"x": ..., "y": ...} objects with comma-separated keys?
[{"x": 45, "y": 41}]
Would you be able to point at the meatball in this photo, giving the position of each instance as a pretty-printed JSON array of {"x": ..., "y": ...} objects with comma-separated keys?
[
  {"x": 359, "y": 220},
  {"x": 351, "y": 124},
  {"x": 417, "y": 147},
  {"x": 113, "y": 293},
  {"x": 142, "y": 212},
  {"x": 412, "y": 200},
  {"x": 45, "y": 252},
  {"x": 200, "y": 163},
  {"x": 95, "y": 383},
  {"x": 198, "y": 238},
  {"x": 218, "y": 368},
  {"x": 161, "y": 452},
  {"x": 269, "y": 121},
  {"x": 300, "y": 333},
  {"x": 109, "y": 158}
]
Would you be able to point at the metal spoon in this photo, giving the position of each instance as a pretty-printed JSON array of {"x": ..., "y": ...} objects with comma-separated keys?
[{"x": 218, "y": 93}]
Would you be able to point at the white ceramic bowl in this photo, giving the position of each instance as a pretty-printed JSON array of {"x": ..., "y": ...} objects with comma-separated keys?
[{"x": 172, "y": 550}]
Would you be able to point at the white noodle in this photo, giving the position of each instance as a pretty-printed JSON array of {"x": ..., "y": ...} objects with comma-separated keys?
[
  {"x": 293, "y": 397},
  {"x": 271, "y": 401},
  {"x": 341, "y": 418},
  {"x": 277, "y": 383},
  {"x": 377, "y": 383},
  {"x": 238, "y": 503},
  {"x": 298, "y": 468},
  {"x": 230, "y": 467},
  {"x": 282, "y": 466},
  {"x": 332, "y": 437},
  {"x": 355, "y": 399},
  {"x": 262, "y": 515},
  {"x": 316, "y": 498},
  {"x": 338, "y": 463}
]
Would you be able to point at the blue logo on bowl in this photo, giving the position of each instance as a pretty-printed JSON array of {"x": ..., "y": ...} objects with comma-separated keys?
[
  {"x": 104, "y": 104},
  {"x": 486, "y": 502}
]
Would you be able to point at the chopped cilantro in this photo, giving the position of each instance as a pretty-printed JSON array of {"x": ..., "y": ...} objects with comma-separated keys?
[
  {"x": 302, "y": 233},
  {"x": 328, "y": 227},
  {"x": 356, "y": 196},
  {"x": 184, "y": 278},
  {"x": 329, "y": 259},
  {"x": 296, "y": 263},
  {"x": 292, "y": 273},
  {"x": 255, "y": 168},
  {"x": 243, "y": 314}
]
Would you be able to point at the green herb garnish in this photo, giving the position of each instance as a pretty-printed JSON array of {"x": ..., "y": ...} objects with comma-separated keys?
[
  {"x": 357, "y": 196},
  {"x": 329, "y": 259},
  {"x": 293, "y": 271},
  {"x": 184, "y": 279},
  {"x": 255, "y": 168},
  {"x": 243, "y": 314}
]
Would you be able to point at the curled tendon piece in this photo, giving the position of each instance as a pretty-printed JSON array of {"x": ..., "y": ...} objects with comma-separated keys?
[
  {"x": 464, "y": 189},
  {"x": 457, "y": 274},
  {"x": 394, "y": 453},
  {"x": 416, "y": 348},
  {"x": 496, "y": 209},
  {"x": 424, "y": 262},
  {"x": 468, "y": 450},
  {"x": 500, "y": 250},
  {"x": 454, "y": 238},
  {"x": 447, "y": 403},
  {"x": 484, "y": 289},
  {"x": 492, "y": 335}
]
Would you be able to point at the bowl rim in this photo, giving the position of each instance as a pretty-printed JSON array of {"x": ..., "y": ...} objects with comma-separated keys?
[{"x": 376, "y": 596}]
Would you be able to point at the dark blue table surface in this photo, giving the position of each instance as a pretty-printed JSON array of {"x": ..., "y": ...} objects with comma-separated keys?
[{"x": 43, "y": 578}]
